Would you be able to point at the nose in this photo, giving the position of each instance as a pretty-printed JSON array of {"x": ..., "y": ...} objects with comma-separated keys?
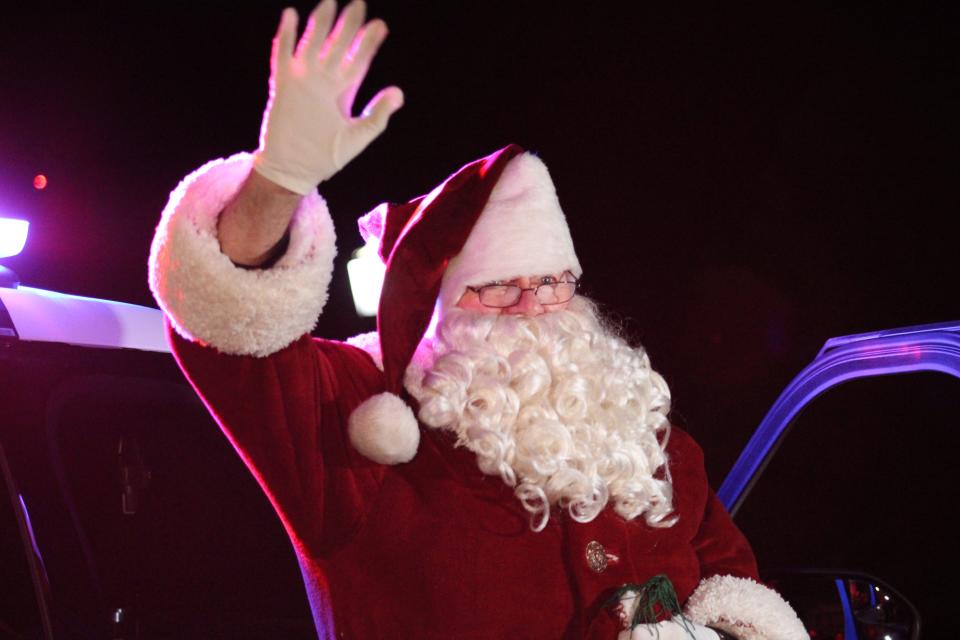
[{"x": 527, "y": 305}]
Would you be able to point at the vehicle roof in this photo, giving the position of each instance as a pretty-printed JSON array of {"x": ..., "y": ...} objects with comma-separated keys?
[{"x": 47, "y": 316}]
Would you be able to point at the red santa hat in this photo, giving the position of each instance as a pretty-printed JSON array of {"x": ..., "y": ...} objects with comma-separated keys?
[{"x": 496, "y": 218}]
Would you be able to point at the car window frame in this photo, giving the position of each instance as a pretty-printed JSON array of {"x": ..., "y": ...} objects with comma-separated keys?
[{"x": 928, "y": 347}]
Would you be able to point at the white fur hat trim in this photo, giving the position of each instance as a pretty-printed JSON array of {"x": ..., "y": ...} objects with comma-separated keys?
[
  {"x": 521, "y": 232},
  {"x": 745, "y": 608},
  {"x": 384, "y": 429},
  {"x": 239, "y": 311}
]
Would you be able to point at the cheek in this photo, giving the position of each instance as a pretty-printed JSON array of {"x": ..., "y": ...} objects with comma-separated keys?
[{"x": 556, "y": 307}]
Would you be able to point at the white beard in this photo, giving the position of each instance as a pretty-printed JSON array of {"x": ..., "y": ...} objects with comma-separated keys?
[{"x": 559, "y": 407}]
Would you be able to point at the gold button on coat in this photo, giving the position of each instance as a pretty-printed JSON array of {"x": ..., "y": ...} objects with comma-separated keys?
[{"x": 596, "y": 557}]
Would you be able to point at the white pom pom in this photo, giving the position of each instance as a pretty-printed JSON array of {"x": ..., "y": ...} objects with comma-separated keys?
[{"x": 384, "y": 429}]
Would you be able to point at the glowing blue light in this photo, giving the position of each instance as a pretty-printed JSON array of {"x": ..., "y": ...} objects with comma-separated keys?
[
  {"x": 929, "y": 347},
  {"x": 849, "y": 625},
  {"x": 13, "y": 235}
]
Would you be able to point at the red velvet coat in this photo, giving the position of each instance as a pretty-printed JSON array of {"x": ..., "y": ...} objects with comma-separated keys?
[
  {"x": 431, "y": 548},
  {"x": 434, "y": 548}
]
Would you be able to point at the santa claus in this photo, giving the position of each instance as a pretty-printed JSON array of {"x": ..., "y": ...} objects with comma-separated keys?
[{"x": 495, "y": 461}]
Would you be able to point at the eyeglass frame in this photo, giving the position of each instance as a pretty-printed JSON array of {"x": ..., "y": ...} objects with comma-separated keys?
[{"x": 574, "y": 281}]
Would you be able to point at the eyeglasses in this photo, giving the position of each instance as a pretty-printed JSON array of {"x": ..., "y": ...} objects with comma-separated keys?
[{"x": 506, "y": 295}]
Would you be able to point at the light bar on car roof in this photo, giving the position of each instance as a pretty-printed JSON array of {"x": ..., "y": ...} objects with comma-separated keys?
[{"x": 13, "y": 236}]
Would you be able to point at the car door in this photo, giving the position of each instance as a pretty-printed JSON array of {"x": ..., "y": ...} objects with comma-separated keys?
[
  {"x": 851, "y": 477},
  {"x": 125, "y": 512}
]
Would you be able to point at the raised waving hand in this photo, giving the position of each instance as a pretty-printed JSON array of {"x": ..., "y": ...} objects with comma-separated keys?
[{"x": 309, "y": 131}]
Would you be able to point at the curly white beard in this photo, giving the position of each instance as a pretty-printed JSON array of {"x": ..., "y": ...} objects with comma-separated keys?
[{"x": 559, "y": 407}]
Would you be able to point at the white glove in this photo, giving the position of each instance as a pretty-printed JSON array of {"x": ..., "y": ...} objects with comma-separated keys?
[
  {"x": 308, "y": 131},
  {"x": 669, "y": 630}
]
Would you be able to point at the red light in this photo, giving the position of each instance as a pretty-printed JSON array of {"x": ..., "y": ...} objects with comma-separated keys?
[{"x": 40, "y": 181}]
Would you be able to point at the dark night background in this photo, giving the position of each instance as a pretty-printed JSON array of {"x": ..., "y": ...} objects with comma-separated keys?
[{"x": 742, "y": 184}]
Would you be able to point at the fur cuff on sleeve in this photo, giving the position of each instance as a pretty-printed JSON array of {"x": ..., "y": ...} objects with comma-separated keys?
[
  {"x": 744, "y": 608},
  {"x": 238, "y": 311}
]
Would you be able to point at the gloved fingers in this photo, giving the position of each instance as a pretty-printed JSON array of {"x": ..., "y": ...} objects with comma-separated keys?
[
  {"x": 308, "y": 132},
  {"x": 376, "y": 115},
  {"x": 349, "y": 22},
  {"x": 286, "y": 35},
  {"x": 318, "y": 27},
  {"x": 364, "y": 48}
]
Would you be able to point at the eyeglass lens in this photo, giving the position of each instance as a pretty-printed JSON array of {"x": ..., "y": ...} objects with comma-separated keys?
[{"x": 507, "y": 295}]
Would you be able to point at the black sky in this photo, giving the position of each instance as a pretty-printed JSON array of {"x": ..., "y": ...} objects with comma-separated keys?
[{"x": 742, "y": 184}]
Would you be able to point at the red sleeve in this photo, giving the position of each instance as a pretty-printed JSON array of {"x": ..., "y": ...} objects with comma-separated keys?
[
  {"x": 730, "y": 596},
  {"x": 286, "y": 415},
  {"x": 721, "y": 547}
]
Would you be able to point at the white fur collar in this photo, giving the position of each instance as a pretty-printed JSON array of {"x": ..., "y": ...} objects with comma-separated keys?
[{"x": 422, "y": 360}]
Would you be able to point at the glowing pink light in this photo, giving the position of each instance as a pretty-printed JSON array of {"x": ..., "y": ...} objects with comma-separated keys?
[
  {"x": 911, "y": 351},
  {"x": 39, "y": 182},
  {"x": 13, "y": 235}
]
